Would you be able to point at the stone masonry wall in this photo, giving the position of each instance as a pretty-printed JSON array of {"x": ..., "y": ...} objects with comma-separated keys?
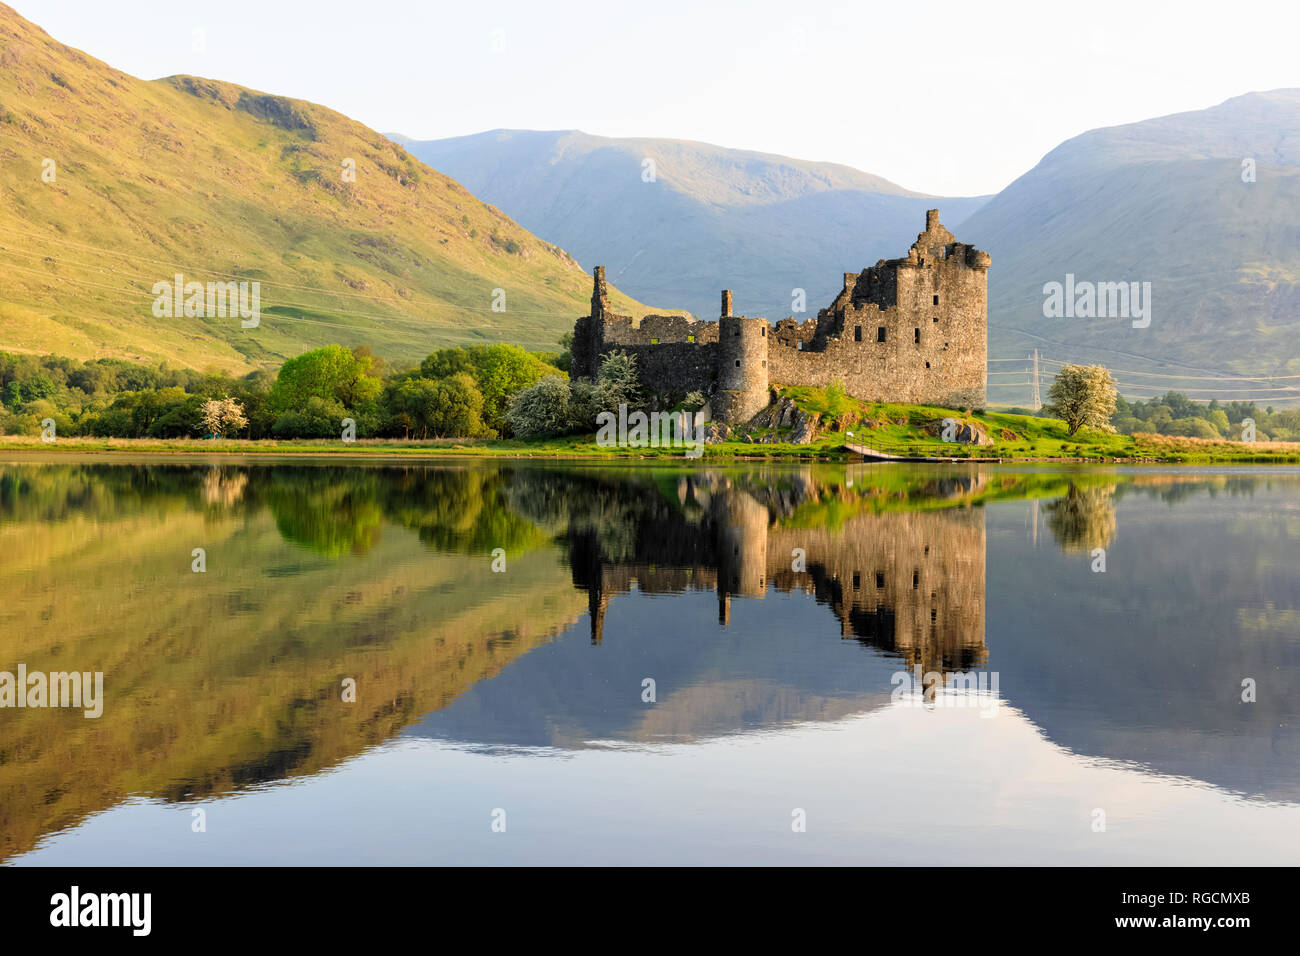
[{"x": 905, "y": 330}]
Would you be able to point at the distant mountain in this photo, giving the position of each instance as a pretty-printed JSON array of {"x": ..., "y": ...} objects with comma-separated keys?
[
  {"x": 110, "y": 184},
  {"x": 710, "y": 218},
  {"x": 1160, "y": 201}
]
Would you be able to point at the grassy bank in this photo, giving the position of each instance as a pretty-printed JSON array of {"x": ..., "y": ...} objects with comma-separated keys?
[
  {"x": 904, "y": 430},
  {"x": 1017, "y": 438}
]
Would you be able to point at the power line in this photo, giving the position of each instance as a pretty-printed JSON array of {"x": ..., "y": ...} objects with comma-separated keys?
[
  {"x": 1193, "y": 378},
  {"x": 1208, "y": 388}
]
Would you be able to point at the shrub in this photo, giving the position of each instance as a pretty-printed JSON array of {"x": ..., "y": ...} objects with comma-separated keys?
[
  {"x": 182, "y": 419},
  {"x": 694, "y": 401},
  {"x": 587, "y": 400},
  {"x": 317, "y": 419},
  {"x": 838, "y": 402},
  {"x": 620, "y": 380},
  {"x": 541, "y": 410}
]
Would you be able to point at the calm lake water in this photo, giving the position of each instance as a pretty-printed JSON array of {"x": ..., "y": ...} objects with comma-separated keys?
[{"x": 582, "y": 664}]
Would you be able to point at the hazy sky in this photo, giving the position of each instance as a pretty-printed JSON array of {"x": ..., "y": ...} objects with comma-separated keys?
[{"x": 952, "y": 98}]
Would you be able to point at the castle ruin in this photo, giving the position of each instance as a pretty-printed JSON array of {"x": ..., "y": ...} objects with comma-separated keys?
[{"x": 911, "y": 330}]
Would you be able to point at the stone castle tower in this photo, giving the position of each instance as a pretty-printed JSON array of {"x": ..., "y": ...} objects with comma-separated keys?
[
  {"x": 913, "y": 329},
  {"x": 742, "y": 384}
]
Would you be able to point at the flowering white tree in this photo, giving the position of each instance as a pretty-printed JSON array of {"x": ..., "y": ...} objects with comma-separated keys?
[
  {"x": 222, "y": 415},
  {"x": 1083, "y": 395}
]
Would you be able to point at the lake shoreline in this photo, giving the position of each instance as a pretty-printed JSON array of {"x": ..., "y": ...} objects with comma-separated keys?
[{"x": 449, "y": 450}]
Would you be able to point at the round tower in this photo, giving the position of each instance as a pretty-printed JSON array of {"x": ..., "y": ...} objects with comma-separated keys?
[{"x": 742, "y": 369}]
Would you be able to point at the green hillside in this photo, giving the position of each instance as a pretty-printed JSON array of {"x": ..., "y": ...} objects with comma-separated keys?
[
  {"x": 712, "y": 218},
  {"x": 218, "y": 182}
]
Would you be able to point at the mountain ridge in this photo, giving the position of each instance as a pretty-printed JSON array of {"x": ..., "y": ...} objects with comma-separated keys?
[
  {"x": 674, "y": 221},
  {"x": 1164, "y": 200}
]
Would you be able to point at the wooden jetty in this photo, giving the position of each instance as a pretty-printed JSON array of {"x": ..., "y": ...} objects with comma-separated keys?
[{"x": 871, "y": 454}]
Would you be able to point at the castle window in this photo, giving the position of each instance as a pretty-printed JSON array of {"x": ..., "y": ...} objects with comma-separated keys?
[
  {"x": 857, "y": 334},
  {"x": 857, "y": 580},
  {"x": 798, "y": 346},
  {"x": 880, "y": 580},
  {"x": 936, "y": 318},
  {"x": 737, "y": 363},
  {"x": 916, "y": 579},
  {"x": 934, "y": 615},
  {"x": 916, "y": 336},
  {"x": 936, "y": 302},
  {"x": 764, "y": 363},
  {"x": 765, "y": 331},
  {"x": 880, "y": 334},
  {"x": 927, "y": 364}
]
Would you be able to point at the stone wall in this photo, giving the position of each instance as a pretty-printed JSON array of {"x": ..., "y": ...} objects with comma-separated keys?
[
  {"x": 905, "y": 330},
  {"x": 674, "y": 368}
]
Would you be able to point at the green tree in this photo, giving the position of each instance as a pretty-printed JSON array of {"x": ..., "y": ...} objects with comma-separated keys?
[
  {"x": 445, "y": 363},
  {"x": 499, "y": 371},
  {"x": 502, "y": 371},
  {"x": 412, "y": 404},
  {"x": 424, "y": 408},
  {"x": 318, "y": 418},
  {"x": 333, "y": 374},
  {"x": 458, "y": 411},
  {"x": 1190, "y": 428},
  {"x": 182, "y": 419},
  {"x": 39, "y": 386},
  {"x": 564, "y": 359},
  {"x": 1082, "y": 395},
  {"x": 150, "y": 405}
]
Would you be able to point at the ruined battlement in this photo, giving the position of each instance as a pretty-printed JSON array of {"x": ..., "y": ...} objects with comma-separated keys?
[{"x": 912, "y": 329}]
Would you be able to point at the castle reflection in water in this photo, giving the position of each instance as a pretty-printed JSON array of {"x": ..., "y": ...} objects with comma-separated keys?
[{"x": 907, "y": 582}]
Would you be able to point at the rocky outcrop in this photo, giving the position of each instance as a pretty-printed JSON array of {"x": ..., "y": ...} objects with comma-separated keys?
[
  {"x": 715, "y": 432},
  {"x": 784, "y": 421},
  {"x": 963, "y": 433}
]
